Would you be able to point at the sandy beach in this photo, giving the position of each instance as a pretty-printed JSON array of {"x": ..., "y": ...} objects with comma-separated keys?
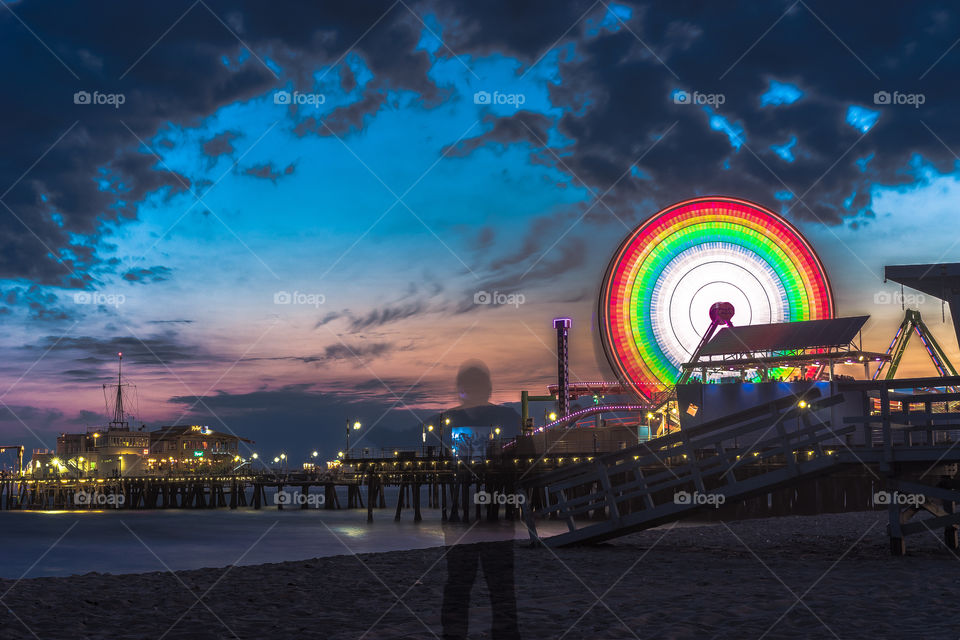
[{"x": 825, "y": 576}]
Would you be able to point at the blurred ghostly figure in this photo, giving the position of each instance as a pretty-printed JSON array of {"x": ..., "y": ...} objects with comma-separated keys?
[
  {"x": 474, "y": 549},
  {"x": 474, "y": 389},
  {"x": 473, "y": 384}
]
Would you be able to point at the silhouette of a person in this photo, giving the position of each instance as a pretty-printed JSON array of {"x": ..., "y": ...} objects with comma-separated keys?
[
  {"x": 466, "y": 554},
  {"x": 474, "y": 390}
]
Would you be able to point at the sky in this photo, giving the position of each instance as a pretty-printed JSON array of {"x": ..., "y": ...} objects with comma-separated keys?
[{"x": 286, "y": 216}]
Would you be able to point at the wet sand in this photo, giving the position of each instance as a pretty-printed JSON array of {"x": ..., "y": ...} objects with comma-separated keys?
[{"x": 825, "y": 576}]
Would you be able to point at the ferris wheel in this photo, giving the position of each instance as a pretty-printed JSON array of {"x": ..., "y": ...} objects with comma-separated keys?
[{"x": 656, "y": 299}]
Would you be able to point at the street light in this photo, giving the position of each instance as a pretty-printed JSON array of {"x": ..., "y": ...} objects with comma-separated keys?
[{"x": 356, "y": 427}]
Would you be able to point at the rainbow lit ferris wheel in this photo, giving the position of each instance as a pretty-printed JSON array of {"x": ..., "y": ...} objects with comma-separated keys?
[{"x": 667, "y": 274}]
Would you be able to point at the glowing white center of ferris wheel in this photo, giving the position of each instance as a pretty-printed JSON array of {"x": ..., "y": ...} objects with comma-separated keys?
[{"x": 708, "y": 273}]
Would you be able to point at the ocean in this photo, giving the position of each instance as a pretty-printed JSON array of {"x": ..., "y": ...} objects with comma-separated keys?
[{"x": 62, "y": 543}]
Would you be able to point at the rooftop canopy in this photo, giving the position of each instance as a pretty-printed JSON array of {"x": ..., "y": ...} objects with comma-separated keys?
[{"x": 784, "y": 336}]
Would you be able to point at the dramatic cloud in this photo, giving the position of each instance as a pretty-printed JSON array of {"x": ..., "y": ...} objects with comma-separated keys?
[
  {"x": 630, "y": 133},
  {"x": 74, "y": 119},
  {"x": 162, "y": 349},
  {"x": 220, "y": 144},
  {"x": 153, "y": 274},
  {"x": 268, "y": 172},
  {"x": 302, "y": 418}
]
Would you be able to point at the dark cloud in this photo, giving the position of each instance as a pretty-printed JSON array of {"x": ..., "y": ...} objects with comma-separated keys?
[
  {"x": 38, "y": 303},
  {"x": 33, "y": 427},
  {"x": 621, "y": 112},
  {"x": 385, "y": 315},
  {"x": 72, "y": 165},
  {"x": 220, "y": 144},
  {"x": 342, "y": 120},
  {"x": 298, "y": 418},
  {"x": 484, "y": 238},
  {"x": 524, "y": 126},
  {"x": 419, "y": 299},
  {"x": 161, "y": 349},
  {"x": 152, "y": 274},
  {"x": 360, "y": 353},
  {"x": 267, "y": 171}
]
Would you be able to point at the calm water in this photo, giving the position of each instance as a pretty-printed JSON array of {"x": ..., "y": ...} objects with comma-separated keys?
[{"x": 142, "y": 541}]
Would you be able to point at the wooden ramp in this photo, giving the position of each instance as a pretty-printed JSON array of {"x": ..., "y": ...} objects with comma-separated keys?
[
  {"x": 667, "y": 478},
  {"x": 908, "y": 440}
]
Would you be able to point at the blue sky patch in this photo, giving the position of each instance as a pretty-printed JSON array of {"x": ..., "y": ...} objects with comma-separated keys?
[
  {"x": 861, "y": 118},
  {"x": 785, "y": 150},
  {"x": 780, "y": 93}
]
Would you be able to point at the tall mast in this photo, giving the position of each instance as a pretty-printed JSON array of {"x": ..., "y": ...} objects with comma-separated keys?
[{"x": 118, "y": 420}]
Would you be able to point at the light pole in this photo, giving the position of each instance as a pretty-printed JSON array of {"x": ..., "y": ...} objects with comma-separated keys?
[
  {"x": 444, "y": 422},
  {"x": 356, "y": 427}
]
